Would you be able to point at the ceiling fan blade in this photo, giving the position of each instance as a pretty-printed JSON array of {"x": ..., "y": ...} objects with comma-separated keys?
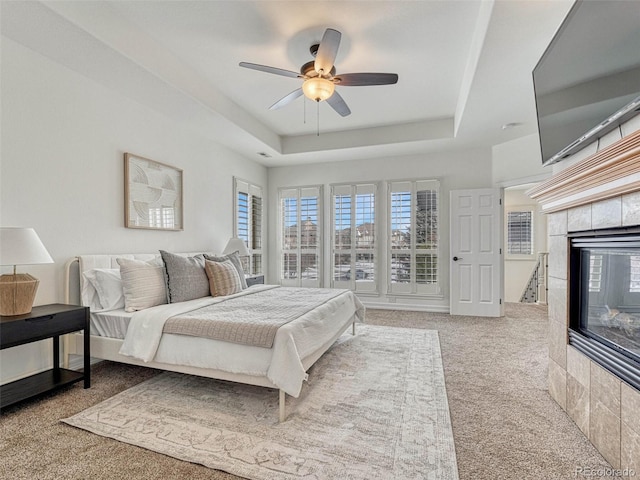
[
  {"x": 365, "y": 79},
  {"x": 274, "y": 70},
  {"x": 286, "y": 100},
  {"x": 338, "y": 104},
  {"x": 327, "y": 51}
]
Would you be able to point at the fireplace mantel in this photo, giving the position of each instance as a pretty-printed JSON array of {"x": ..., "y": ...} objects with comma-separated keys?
[{"x": 613, "y": 171}]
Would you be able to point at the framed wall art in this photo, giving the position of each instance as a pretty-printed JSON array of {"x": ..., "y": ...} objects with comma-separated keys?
[{"x": 153, "y": 194}]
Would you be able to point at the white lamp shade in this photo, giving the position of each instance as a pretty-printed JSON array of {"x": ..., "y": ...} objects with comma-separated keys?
[
  {"x": 236, "y": 245},
  {"x": 22, "y": 246}
]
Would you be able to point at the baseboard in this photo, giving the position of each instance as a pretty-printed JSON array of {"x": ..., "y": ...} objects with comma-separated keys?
[
  {"x": 76, "y": 362},
  {"x": 407, "y": 307}
]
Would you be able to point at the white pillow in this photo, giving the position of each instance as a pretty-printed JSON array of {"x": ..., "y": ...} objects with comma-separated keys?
[
  {"x": 143, "y": 283},
  {"x": 108, "y": 285}
]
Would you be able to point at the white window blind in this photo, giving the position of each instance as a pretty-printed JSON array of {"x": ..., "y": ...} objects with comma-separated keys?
[
  {"x": 248, "y": 223},
  {"x": 354, "y": 237},
  {"x": 301, "y": 236},
  {"x": 413, "y": 253},
  {"x": 520, "y": 233}
]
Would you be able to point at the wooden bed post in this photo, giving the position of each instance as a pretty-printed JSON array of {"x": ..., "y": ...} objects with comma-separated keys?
[{"x": 283, "y": 414}]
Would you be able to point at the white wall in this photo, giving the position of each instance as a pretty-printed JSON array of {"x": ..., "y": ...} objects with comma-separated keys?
[
  {"x": 459, "y": 170},
  {"x": 63, "y": 140},
  {"x": 518, "y": 162}
]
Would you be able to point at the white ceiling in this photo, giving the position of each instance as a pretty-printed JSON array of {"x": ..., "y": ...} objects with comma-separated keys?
[{"x": 464, "y": 68}]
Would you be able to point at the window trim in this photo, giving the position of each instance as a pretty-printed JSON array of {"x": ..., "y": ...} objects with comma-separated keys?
[
  {"x": 520, "y": 256},
  {"x": 299, "y": 251},
  {"x": 371, "y": 287},
  {"x": 413, "y": 288},
  {"x": 251, "y": 190}
]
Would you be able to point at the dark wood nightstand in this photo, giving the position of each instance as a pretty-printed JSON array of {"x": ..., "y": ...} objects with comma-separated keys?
[
  {"x": 46, "y": 321},
  {"x": 255, "y": 280}
]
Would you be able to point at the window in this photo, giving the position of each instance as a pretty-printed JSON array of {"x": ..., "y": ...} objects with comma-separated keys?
[
  {"x": 520, "y": 232},
  {"x": 634, "y": 273},
  {"x": 413, "y": 237},
  {"x": 301, "y": 236},
  {"x": 595, "y": 272},
  {"x": 248, "y": 223},
  {"x": 353, "y": 239}
]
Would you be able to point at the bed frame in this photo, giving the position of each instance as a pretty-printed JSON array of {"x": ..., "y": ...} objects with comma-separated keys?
[{"x": 105, "y": 348}]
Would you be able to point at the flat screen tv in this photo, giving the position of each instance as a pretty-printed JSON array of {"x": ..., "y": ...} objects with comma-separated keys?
[{"x": 587, "y": 82}]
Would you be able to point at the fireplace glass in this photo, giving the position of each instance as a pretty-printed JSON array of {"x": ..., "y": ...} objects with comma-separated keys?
[{"x": 605, "y": 292}]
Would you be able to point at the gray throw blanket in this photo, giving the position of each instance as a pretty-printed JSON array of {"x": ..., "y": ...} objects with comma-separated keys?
[{"x": 251, "y": 319}]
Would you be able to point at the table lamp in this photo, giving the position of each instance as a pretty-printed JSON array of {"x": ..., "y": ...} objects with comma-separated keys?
[
  {"x": 234, "y": 245},
  {"x": 19, "y": 246}
]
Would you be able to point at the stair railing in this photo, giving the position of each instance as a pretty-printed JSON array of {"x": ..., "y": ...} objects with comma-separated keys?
[{"x": 537, "y": 287}]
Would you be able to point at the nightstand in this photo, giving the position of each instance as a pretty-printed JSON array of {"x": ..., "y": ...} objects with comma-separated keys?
[
  {"x": 255, "y": 280},
  {"x": 46, "y": 321}
]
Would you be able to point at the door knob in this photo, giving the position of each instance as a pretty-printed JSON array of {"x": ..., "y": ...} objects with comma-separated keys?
[{"x": 455, "y": 259}]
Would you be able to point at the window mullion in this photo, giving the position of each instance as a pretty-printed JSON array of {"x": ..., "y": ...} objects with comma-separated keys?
[
  {"x": 352, "y": 249},
  {"x": 299, "y": 235}
]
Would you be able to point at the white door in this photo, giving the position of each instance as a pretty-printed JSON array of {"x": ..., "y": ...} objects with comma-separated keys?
[{"x": 476, "y": 253}]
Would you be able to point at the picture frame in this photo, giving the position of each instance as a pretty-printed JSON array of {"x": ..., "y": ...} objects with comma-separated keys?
[{"x": 153, "y": 194}]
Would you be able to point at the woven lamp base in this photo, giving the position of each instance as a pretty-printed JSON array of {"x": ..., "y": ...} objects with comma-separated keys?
[{"x": 17, "y": 293}]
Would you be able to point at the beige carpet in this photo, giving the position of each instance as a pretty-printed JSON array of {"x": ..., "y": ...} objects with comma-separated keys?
[
  {"x": 505, "y": 424},
  {"x": 375, "y": 407}
]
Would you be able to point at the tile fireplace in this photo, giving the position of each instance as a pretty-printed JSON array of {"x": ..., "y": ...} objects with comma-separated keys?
[
  {"x": 593, "y": 227},
  {"x": 604, "y": 299}
]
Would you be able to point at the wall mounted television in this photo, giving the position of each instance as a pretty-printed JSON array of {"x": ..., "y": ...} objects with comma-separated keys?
[{"x": 587, "y": 82}]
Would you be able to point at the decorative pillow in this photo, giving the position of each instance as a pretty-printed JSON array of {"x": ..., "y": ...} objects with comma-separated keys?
[
  {"x": 108, "y": 285},
  {"x": 143, "y": 283},
  {"x": 223, "y": 278},
  {"x": 234, "y": 258},
  {"x": 186, "y": 278}
]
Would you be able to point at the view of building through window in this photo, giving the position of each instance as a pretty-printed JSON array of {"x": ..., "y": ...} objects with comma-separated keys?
[
  {"x": 412, "y": 243},
  {"x": 414, "y": 232},
  {"x": 300, "y": 210},
  {"x": 354, "y": 236}
]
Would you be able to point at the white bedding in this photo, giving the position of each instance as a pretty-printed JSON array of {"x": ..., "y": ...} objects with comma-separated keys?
[
  {"x": 192, "y": 351},
  {"x": 281, "y": 364},
  {"x": 110, "y": 323},
  {"x": 302, "y": 339}
]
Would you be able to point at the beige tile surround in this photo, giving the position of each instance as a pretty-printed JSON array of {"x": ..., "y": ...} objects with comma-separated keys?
[{"x": 606, "y": 409}]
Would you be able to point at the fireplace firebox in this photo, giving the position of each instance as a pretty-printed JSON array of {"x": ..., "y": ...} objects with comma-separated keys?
[{"x": 604, "y": 299}]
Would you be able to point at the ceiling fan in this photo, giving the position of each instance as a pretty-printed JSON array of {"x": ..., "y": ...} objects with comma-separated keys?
[{"x": 320, "y": 78}]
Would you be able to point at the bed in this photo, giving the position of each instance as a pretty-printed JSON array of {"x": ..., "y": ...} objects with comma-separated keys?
[{"x": 167, "y": 336}]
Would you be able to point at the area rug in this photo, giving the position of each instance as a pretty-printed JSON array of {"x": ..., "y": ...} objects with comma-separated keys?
[{"x": 375, "y": 407}]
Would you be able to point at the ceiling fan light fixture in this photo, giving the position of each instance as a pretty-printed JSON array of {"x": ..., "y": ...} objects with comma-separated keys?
[{"x": 318, "y": 88}]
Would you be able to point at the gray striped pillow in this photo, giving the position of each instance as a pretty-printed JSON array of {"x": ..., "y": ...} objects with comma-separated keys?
[
  {"x": 223, "y": 278},
  {"x": 233, "y": 258}
]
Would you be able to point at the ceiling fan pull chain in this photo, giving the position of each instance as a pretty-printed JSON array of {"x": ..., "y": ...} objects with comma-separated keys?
[{"x": 318, "y": 119}]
